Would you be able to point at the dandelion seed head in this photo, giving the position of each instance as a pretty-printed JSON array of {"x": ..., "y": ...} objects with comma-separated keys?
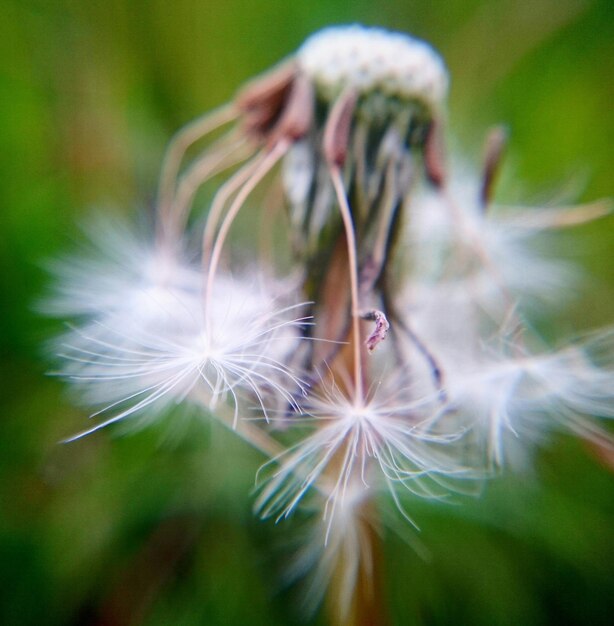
[
  {"x": 344, "y": 132},
  {"x": 374, "y": 60}
]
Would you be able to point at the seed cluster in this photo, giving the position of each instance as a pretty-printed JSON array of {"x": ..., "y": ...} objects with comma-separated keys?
[{"x": 373, "y": 60}]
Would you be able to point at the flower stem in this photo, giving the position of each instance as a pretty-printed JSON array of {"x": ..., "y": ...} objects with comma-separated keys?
[
  {"x": 365, "y": 606},
  {"x": 353, "y": 271}
]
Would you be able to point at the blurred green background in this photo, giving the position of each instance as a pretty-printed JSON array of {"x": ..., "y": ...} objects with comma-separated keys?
[{"x": 147, "y": 529}]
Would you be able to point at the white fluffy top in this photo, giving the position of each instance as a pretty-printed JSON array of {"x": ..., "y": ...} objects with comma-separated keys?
[{"x": 374, "y": 59}]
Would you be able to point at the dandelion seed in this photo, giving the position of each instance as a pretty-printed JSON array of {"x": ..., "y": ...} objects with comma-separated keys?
[
  {"x": 386, "y": 439},
  {"x": 126, "y": 362},
  {"x": 122, "y": 276},
  {"x": 508, "y": 392},
  {"x": 489, "y": 254}
]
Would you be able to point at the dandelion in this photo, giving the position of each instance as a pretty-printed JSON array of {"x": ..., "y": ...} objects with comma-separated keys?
[
  {"x": 392, "y": 359},
  {"x": 383, "y": 439}
]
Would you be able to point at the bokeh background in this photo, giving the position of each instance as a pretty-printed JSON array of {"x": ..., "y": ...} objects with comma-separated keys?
[{"x": 156, "y": 528}]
